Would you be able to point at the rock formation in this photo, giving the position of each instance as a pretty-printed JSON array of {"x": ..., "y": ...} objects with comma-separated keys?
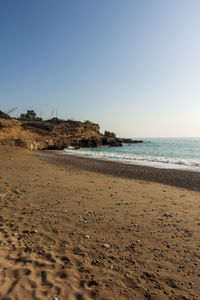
[{"x": 54, "y": 134}]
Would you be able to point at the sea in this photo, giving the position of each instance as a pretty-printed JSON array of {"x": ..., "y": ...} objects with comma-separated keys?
[{"x": 170, "y": 153}]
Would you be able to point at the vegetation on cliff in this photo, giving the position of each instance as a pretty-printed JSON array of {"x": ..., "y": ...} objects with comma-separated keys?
[{"x": 4, "y": 116}]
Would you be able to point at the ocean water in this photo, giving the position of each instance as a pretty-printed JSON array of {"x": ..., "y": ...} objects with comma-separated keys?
[{"x": 171, "y": 153}]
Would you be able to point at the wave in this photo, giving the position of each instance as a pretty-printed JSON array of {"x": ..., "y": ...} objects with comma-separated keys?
[{"x": 158, "y": 162}]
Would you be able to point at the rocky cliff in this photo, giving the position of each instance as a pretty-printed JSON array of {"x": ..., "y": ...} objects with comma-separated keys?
[
  {"x": 13, "y": 134},
  {"x": 54, "y": 134}
]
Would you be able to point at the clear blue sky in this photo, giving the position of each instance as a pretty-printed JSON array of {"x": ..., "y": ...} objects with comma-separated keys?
[{"x": 133, "y": 66}]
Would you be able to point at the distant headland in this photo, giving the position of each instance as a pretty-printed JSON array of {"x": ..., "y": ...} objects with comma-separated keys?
[{"x": 34, "y": 133}]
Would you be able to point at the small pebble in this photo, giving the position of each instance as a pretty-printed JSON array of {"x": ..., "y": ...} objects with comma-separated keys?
[
  {"x": 94, "y": 262},
  {"x": 107, "y": 246},
  {"x": 167, "y": 215},
  {"x": 16, "y": 191}
]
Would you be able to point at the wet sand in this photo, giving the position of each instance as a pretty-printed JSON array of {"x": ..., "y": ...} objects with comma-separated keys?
[{"x": 68, "y": 231}]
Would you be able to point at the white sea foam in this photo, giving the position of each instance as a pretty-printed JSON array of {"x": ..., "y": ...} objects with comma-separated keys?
[{"x": 157, "y": 162}]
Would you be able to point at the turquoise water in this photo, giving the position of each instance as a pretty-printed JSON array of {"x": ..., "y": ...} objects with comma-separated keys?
[{"x": 177, "y": 153}]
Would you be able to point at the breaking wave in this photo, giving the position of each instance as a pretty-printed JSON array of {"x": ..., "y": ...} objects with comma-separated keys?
[{"x": 158, "y": 162}]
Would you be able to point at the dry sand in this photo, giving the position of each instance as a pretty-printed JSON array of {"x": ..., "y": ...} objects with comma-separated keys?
[{"x": 67, "y": 233}]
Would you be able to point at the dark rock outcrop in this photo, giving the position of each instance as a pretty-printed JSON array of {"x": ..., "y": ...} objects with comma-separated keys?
[
  {"x": 109, "y": 134},
  {"x": 128, "y": 141}
]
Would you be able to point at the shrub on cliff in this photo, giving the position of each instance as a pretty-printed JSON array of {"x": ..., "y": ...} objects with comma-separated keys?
[
  {"x": 4, "y": 116},
  {"x": 30, "y": 115}
]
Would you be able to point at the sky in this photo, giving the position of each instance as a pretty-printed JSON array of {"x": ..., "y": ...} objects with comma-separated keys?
[{"x": 133, "y": 66}]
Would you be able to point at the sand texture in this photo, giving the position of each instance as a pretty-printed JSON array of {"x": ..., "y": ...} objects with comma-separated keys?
[
  {"x": 180, "y": 178},
  {"x": 67, "y": 233}
]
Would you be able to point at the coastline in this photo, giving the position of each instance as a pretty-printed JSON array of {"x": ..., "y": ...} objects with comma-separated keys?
[
  {"x": 71, "y": 233},
  {"x": 179, "y": 178},
  {"x": 162, "y": 162}
]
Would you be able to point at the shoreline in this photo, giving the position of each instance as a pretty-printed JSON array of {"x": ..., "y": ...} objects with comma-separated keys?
[
  {"x": 145, "y": 163},
  {"x": 179, "y": 178}
]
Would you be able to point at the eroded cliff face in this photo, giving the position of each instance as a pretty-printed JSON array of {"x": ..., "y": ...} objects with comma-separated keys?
[
  {"x": 54, "y": 134},
  {"x": 13, "y": 134}
]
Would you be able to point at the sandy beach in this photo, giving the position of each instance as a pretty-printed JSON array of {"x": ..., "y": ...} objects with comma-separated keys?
[
  {"x": 174, "y": 177},
  {"x": 75, "y": 228}
]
